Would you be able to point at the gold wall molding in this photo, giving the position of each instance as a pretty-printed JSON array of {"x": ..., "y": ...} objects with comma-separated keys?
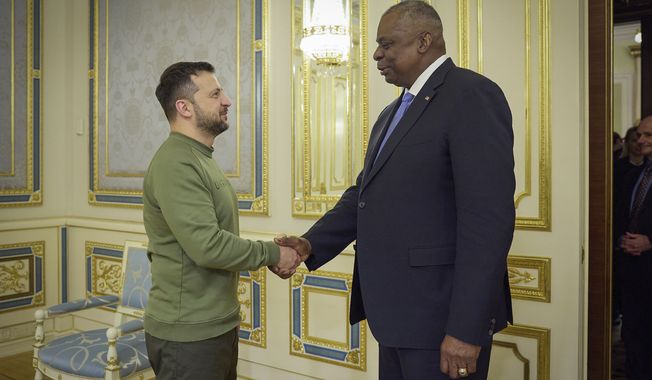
[
  {"x": 252, "y": 294},
  {"x": 103, "y": 269},
  {"x": 119, "y": 184},
  {"x": 24, "y": 188},
  {"x": 22, "y": 275},
  {"x": 540, "y": 335},
  {"x": 304, "y": 341},
  {"x": 542, "y": 219},
  {"x": 529, "y": 277},
  {"x": 327, "y": 158}
]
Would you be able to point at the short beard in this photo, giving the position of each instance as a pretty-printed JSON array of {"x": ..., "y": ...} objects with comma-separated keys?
[{"x": 208, "y": 125}]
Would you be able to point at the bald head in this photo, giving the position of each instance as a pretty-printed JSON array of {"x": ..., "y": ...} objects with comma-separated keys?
[
  {"x": 418, "y": 17},
  {"x": 645, "y": 136}
]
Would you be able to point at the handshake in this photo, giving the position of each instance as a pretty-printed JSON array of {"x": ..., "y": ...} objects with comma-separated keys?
[{"x": 294, "y": 251}]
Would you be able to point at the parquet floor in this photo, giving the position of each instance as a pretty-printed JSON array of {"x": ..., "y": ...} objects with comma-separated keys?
[{"x": 17, "y": 367}]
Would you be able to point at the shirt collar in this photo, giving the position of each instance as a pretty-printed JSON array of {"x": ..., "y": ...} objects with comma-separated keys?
[{"x": 425, "y": 75}]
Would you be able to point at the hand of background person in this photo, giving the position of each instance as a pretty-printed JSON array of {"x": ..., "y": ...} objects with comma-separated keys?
[
  {"x": 635, "y": 244},
  {"x": 300, "y": 244},
  {"x": 456, "y": 354}
]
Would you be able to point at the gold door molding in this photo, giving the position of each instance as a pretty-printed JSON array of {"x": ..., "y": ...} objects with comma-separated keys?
[{"x": 529, "y": 38}]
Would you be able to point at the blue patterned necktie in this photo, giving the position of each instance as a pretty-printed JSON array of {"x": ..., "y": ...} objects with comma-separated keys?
[
  {"x": 639, "y": 197},
  {"x": 405, "y": 103}
]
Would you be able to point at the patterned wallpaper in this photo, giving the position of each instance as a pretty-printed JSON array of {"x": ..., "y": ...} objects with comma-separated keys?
[{"x": 132, "y": 43}]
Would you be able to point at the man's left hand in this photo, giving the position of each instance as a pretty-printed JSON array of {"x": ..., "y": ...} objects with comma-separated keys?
[{"x": 456, "y": 355}]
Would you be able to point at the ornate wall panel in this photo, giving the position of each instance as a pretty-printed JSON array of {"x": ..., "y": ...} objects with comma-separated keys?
[
  {"x": 20, "y": 91},
  {"x": 127, "y": 57},
  {"x": 329, "y": 117},
  {"x": 251, "y": 294},
  {"x": 484, "y": 39},
  {"x": 319, "y": 322},
  {"x": 529, "y": 277},
  {"x": 521, "y": 352},
  {"x": 103, "y": 269},
  {"x": 22, "y": 275}
]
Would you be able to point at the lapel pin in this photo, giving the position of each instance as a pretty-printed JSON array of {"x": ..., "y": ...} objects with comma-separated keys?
[{"x": 427, "y": 98}]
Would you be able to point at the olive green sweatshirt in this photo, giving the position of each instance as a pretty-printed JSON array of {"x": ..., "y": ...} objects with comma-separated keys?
[{"x": 191, "y": 218}]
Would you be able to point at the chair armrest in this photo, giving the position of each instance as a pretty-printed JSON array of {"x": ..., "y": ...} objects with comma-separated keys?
[
  {"x": 81, "y": 304},
  {"x": 131, "y": 326}
]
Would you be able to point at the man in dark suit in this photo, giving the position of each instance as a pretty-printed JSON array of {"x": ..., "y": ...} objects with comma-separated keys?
[
  {"x": 633, "y": 234},
  {"x": 432, "y": 211}
]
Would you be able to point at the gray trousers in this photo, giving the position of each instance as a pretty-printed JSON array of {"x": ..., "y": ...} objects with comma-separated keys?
[{"x": 215, "y": 358}]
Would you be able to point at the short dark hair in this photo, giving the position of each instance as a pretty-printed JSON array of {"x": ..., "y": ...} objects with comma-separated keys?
[
  {"x": 414, "y": 10},
  {"x": 176, "y": 83}
]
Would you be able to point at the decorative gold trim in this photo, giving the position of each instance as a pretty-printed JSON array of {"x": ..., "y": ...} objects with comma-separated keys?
[
  {"x": 258, "y": 336},
  {"x": 306, "y": 327},
  {"x": 12, "y": 38},
  {"x": 480, "y": 37},
  {"x": 259, "y": 204},
  {"x": 305, "y": 204},
  {"x": 355, "y": 357},
  {"x": 88, "y": 253},
  {"x": 463, "y": 48},
  {"x": 30, "y": 73},
  {"x": 542, "y": 337},
  {"x": 517, "y": 354},
  {"x": 38, "y": 250},
  {"x": 519, "y": 276},
  {"x": 542, "y": 221}
]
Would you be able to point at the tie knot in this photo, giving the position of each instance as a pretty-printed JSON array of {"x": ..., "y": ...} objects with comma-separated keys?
[{"x": 407, "y": 97}]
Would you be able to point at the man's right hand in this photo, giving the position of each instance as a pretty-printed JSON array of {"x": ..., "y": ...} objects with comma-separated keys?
[
  {"x": 288, "y": 262},
  {"x": 300, "y": 244}
]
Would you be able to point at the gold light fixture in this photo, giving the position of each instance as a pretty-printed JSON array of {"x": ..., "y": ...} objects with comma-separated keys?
[{"x": 326, "y": 36}]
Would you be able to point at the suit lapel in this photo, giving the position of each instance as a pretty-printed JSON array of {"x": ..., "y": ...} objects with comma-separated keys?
[
  {"x": 375, "y": 138},
  {"x": 419, "y": 104}
]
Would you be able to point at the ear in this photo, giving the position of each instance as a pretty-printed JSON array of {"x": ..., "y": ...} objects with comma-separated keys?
[
  {"x": 184, "y": 108},
  {"x": 425, "y": 40}
]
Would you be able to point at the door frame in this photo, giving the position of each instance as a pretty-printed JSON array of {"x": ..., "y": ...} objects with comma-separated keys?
[{"x": 600, "y": 63}]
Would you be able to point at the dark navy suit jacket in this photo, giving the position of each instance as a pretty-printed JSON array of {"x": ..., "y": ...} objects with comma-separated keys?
[{"x": 433, "y": 217}]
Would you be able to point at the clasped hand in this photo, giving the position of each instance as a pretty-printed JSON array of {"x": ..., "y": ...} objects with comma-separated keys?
[
  {"x": 635, "y": 244},
  {"x": 294, "y": 251}
]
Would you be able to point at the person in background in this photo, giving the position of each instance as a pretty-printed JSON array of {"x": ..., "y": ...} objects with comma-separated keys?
[
  {"x": 633, "y": 234},
  {"x": 632, "y": 160}
]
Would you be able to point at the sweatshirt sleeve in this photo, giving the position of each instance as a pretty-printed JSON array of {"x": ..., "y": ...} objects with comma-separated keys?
[{"x": 188, "y": 210}]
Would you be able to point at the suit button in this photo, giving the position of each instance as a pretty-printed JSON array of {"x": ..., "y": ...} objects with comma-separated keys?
[
  {"x": 361, "y": 204},
  {"x": 491, "y": 332}
]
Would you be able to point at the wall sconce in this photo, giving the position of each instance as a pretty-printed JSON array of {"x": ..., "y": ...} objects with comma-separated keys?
[{"x": 325, "y": 32}]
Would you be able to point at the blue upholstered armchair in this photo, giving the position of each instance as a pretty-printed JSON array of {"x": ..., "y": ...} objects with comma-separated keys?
[{"x": 115, "y": 353}]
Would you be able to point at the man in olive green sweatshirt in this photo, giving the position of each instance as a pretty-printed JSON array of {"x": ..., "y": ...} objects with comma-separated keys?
[{"x": 191, "y": 218}]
